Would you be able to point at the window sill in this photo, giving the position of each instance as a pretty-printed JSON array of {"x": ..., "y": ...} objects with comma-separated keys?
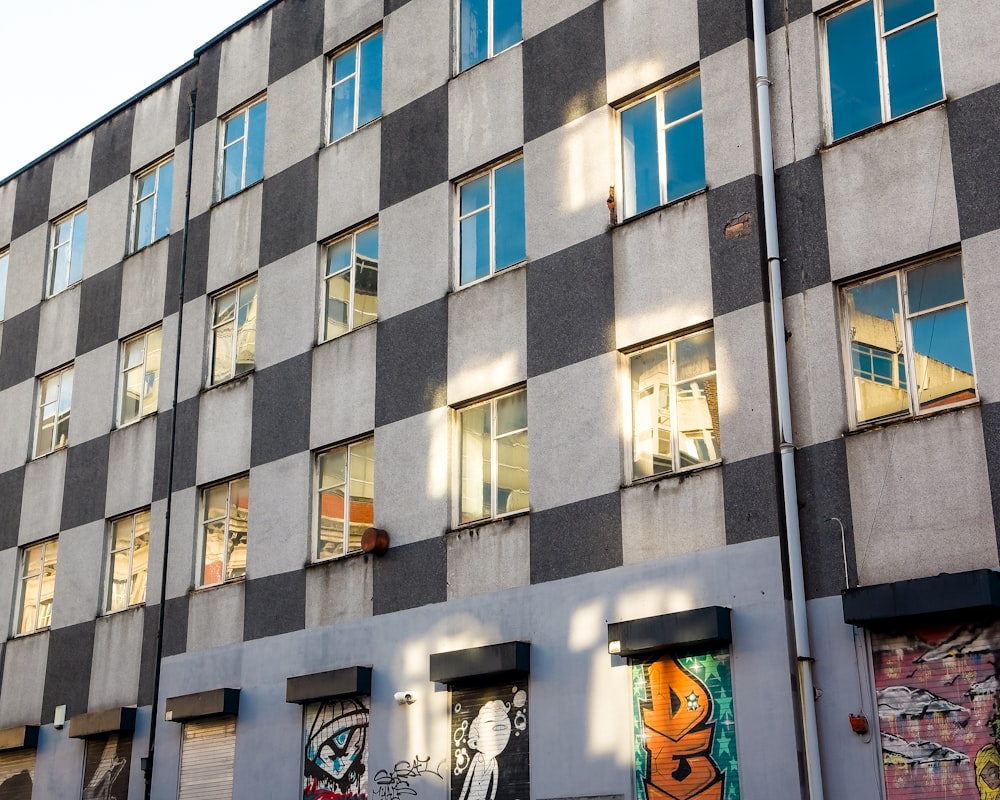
[
  {"x": 243, "y": 377},
  {"x": 212, "y": 587},
  {"x": 116, "y": 611},
  {"x": 65, "y": 289},
  {"x": 120, "y": 426},
  {"x": 51, "y": 452},
  {"x": 345, "y": 334},
  {"x": 879, "y": 424},
  {"x": 228, "y": 197},
  {"x": 145, "y": 247},
  {"x": 679, "y": 476},
  {"x": 657, "y": 209},
  {"x": 331, "y": 142},
  {"x": 505, "y": 271},
  {"x": 459, "y": 72},
  {"x": 320, "y": 562},
  {"x": 470, "y": 527},
  {"x": 879, "y": 126},
  {"x": 29, "y": 634}
]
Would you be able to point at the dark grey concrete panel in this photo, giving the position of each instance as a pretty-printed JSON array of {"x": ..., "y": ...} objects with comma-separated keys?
[
  {"x": 991, "y": 439},
  {"x": 564, "y": 72},
  {"x": 31, "y": 202},
  {"x": 86, "y": 482},
  {"x": 778, "y": 13},
  {"x": 147, "y": 657},
  {"x": 196, "y": 270},
  {"x": 100, "y": 304},
  {"x": 172, "y": 288},
  {"x": 11, "y": 489},
  {"x": 20, "y": 344},
  {"x": 393, "y": 5},
  {"x": 189, "y": 81},
  {"x": 739, "y": 276},
  {"x": 722, "y": 23},
  {"x": 206, "y": 107},
  {"x": 571, "y": 305},
  {"x": 296, "y": 36},
  {"x": 752, "y": 491},
  {"x": 974, "y": 130},
  {"x": 185, "y": 449},
  {"x": 411, "y": 361},
  {"x": 275, "y": 605},
  {"x": 175, "y": 626},
  {"x": 824, "y": 493},
  {"x": 67, "y": 670},
  {"x": 288, "y": 210},
  {"x": 281, "y": 402},
  {"x": 414, "y": 148},
  {"x": 410, "y": 575},
  {"x": 802, "y": 236},
  {"x": 111, "y": 158},
  {"x": 576, "y": 539}
]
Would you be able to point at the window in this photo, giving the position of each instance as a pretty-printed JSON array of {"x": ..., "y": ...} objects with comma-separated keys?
[
  {"x": 663, "y": 147},
  {"x": 355, "y": 86},
  {"x": 151, "y": 204},
  {"x": 225, "y": 514},
  {"x": 38, "y": 583},
  {"x": 487, "y": 27},
  {"x": 351, "y": 283},
  {"x": 243, "y": 147},
  {"x": 675, "y": 406},
  {"x": 140, "y": 379},
  {"x": 66, "y": 251},
  {"x": 128, "y": 561},
  {"x": 491, "y": 221},
  {"x": 55, "y": 392},
  {"x": 493, "y": 437},
  {"x": 909, "y": 341},
  {"x": 234, "y": 331},
  {"x": 883, "y": 61},
  {"x": 4, "y": 259},
  {"x": 345, "y": 478}
]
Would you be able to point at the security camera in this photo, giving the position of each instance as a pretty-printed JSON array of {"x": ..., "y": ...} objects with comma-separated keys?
[{"x": 404, "y": 698}]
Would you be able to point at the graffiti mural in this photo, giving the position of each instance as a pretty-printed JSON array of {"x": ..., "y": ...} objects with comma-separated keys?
[
  {"x": 489, "y": 738},
  {"x": 685, "y": 734},
  {"x": 105, "y": 767},
  {"x": 336, "y": 750},
  {"x": 938, "y": 717},
  {"x": 395, "y": 784}
]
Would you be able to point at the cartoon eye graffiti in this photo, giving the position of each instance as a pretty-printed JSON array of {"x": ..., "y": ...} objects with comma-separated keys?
[
  {"x": 461, "y": 760},
  {"x": 520, "y": 721},
  {"x": 520, "y": 698}
]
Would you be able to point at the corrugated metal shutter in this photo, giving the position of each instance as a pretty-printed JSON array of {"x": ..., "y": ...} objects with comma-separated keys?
[
  {"x": 106, "y": 766},
  {"x": 207, "y": 753},
  {"x": 17, "y": 774}
]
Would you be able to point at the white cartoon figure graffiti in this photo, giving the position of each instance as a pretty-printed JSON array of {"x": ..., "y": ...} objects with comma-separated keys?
[{"x": 488, "y": 736}]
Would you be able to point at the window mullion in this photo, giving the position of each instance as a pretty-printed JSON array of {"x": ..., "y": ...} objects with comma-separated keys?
[
  {"x": 909, "y": 358},
  {"x": 357, "y": 85},
  {"x": 345, "y": 533},
  {"x": 493, "y": 220},
  {"x": 674, "y": 438},
  {"x": 883, "y": 61},
  {"x": 661, "y": 144},
  {"x": 494, "y": 455},
  {"x": 489, "y": 29}
]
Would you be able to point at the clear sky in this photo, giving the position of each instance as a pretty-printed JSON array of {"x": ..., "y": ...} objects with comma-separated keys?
[{"x": 65, "y": 63}]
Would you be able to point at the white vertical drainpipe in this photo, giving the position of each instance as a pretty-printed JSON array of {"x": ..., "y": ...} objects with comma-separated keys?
[{"x": 800, "y": 621}]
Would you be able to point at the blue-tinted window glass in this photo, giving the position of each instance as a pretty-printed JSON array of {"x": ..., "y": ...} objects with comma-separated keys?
[
  {"x": 942, "y": 355},
  {"x": 232, "y": 169},
  {"x": 76, "y": 259},
  {"x": 474, "y": 194},
  {"x": 508, "y": 192},
  {"x": 853, "y": 57},
  {"x": 144, "y": 223},
  {"x": 682, "y": 100},
  {"x": 475, "y": 247},
  {"x": 338, "y": 256},
  {"x": 342, "y": 113},
  {"x": 685, "y": 158},
  {"x": 914, "y": 68},
  {"x": 255, "y": 143},
  {"x": 506, "y": 24},
  {"x": 344, "y": 65},
  {"x": 473, "y": 32},
  {"x": 366, "y": 244},
  {"x": 235, "y": 128},
  {"x": 899, "y": 12},
  {"x": 933, "y": 285},
  {"x": 370, "y": 101},
  {"x": 639, "y": 155},
  {"x": 164, "y": 193},
  {"x": 4, "y": 258}
]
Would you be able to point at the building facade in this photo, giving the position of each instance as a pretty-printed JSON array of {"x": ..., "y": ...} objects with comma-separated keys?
[{"x": 393, "y": 408}]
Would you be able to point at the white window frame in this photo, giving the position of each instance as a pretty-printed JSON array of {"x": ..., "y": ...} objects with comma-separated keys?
[
  {"x": 349, "y": 449},
  {"x": 491, "y": 171},
  {"x": 142, "y": 367},
  {"x": 248, "y": 327},
  {"x": 4, "y": 266},
  {"x": 326, "y": 277},
  {"x": 42, "y": 617},
  {"x": 242, "y": 111},
  {"x": 155, "y": 197},
  {"x": 59, "y": 376},
  {"x": 205, "y": 521},
  {"x": 73, "y": 218},
  {"x": 332, "y": 84},
  {"x": 134, "y": 518},
  {"x": 490, "y": 50}
]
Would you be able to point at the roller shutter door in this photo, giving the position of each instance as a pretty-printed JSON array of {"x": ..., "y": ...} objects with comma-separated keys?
[
  {"x": 17, "y": 774},
  {"x": 207, "y": 752},
  {"x": 106, "y": 766}
]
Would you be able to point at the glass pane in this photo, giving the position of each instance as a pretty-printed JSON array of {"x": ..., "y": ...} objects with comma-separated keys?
[
  {"x": 509, "y": 214},
  {"x": 121, "y": 534},
  {"x": 62, "y": 232},
  {"x": 44, "y": 440},
  {"x": 232, "y": 169},
  {"x": 216, "y": 500},
  {"x": 140, "y": 561},
  {"x": 361, "y": 513},
  {"x": 512, "y": 473},
  {"x": 899, "y": 12},
  {"x": 255, "y": 142},
  {"x": 853, "y": 57},
  {"x": 685, "y": 158},
  {"x": 474, "y": 195},
  {"x": 76, "y": 259},
  {"x": 914, "y": 68},
  {"x": 3, "y": 282},
  {"x": 222, "y": 353},
  {"x": 32, "y": 561},
  {"x": 697, "y": 422},
  {"x": 506, "y": 24},
  {"x": 344, "y": 64},
  {"x": 236, "y": 556},
  {"x": 145, "y": 185},
  {"x": 212, "y": 553},
  {"x": 476, "y": 470},
  {"x": 331, "y": 468},
  {"x": 134, "y": 351},
  {"x": 366, "y": 277},
  {"x": 235, "y": 127},
  {"x": 131, "y": 399},
  {"x": 370, "y": 101},
  {"x": 239, "y": 501},
  {"x": 651, "y": 447},
  {"x": 118, "y": 592},
  {"x": 29, "y": 605},
  {"x": 338, "y": 256},
  {"x": 65, "y": 389},
  {"x": 639, "y": 157},
  {"x": 143, "y": 223},
  {"x": 474, "y": 238},
  {"x": 164, "y": 195},
  {"x": 512, "y": 413},
  {"x": 695, "y": 355},
  {"x": 342, "y": 114},
  {"x": 936, "y": 284},
  {"x": 331, "y": 524},
  {"x": 942, "y": 358},
  {"x": 50, "y": 552},
  {"x": 246, "y": 334},
  {"x": 225, "y": 308},
  {"x": 681, "y": 100},
  {"x": 473, "y": 32},
  {"x": 338, "y": 296},
  {"x": 151, "y": 379}
]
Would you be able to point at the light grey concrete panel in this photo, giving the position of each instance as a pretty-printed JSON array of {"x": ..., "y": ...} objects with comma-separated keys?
[
  {"x": 349, "y": 181},
  {"x": 224, "y": 430},
  {"x": 742, "y": 345},
  {"x": 79, "y": 574},
  {"x": 412, "y": 490},
  {"x": 415, "y": 251},
  {"x": 204, "y": 170},
  {"x": 338, "y": 591},
  {"x": 904, "y": 170},
  {"x": 485, "y": 112},
  {"x": 184, "y": 534},
  {"x": 243, "y": 68},
  {"x": 920, "y": 499},
  {"x": 144, "y": 278},
  {"x": 663, "y": 277},
  {"x": 566, "y": 177},
  {"x": 234, "y": 241},
  {"x": 94, "y": 383},
  {"x": 107, "y": 227},
  {"x": 55, "y": 749},
  {"x": 487, "y": 329},
  {"x": 982, "y": 287},
  {"x": 288, "y": 290},
  {"x": 57, "y": 326},
  {"x": 647, "y": 40},
  {"x": 153, "y": 125},
  {"x": 41, "y": 505},
  {"x": 416, "y": 54},
  {"x": 193, "y": 345},
  {"x": 538, "y": 15},
  {"x": 343, "y": 387},
  {"x": 23, "y": 680},
  {"x": 215, "y": 617},
  {"x": 574, "y": 433},
  {"x": 70, "y": 176},
  {"x": 114, "y": 676},
  {"x": 343, "y": 21},
  {"x": 268, "y": 724},
  {"x": 490, "y": 558},
  {"x": 7, "y": 193},
  {"x": 279, "y": 509},
  {"x": 294, "y": 117},
  {"x": 796, "y": 105},
  {"x": 26, "y": 271},
  {"x": 970, "y": 50},
  {"x": 17, "y": 406},
  {"x": 815, "y": 366},
  {"x": 130, "y": 466},
  {"x": 729, "y": 114},
  {"x": 672, "y": 517}
]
